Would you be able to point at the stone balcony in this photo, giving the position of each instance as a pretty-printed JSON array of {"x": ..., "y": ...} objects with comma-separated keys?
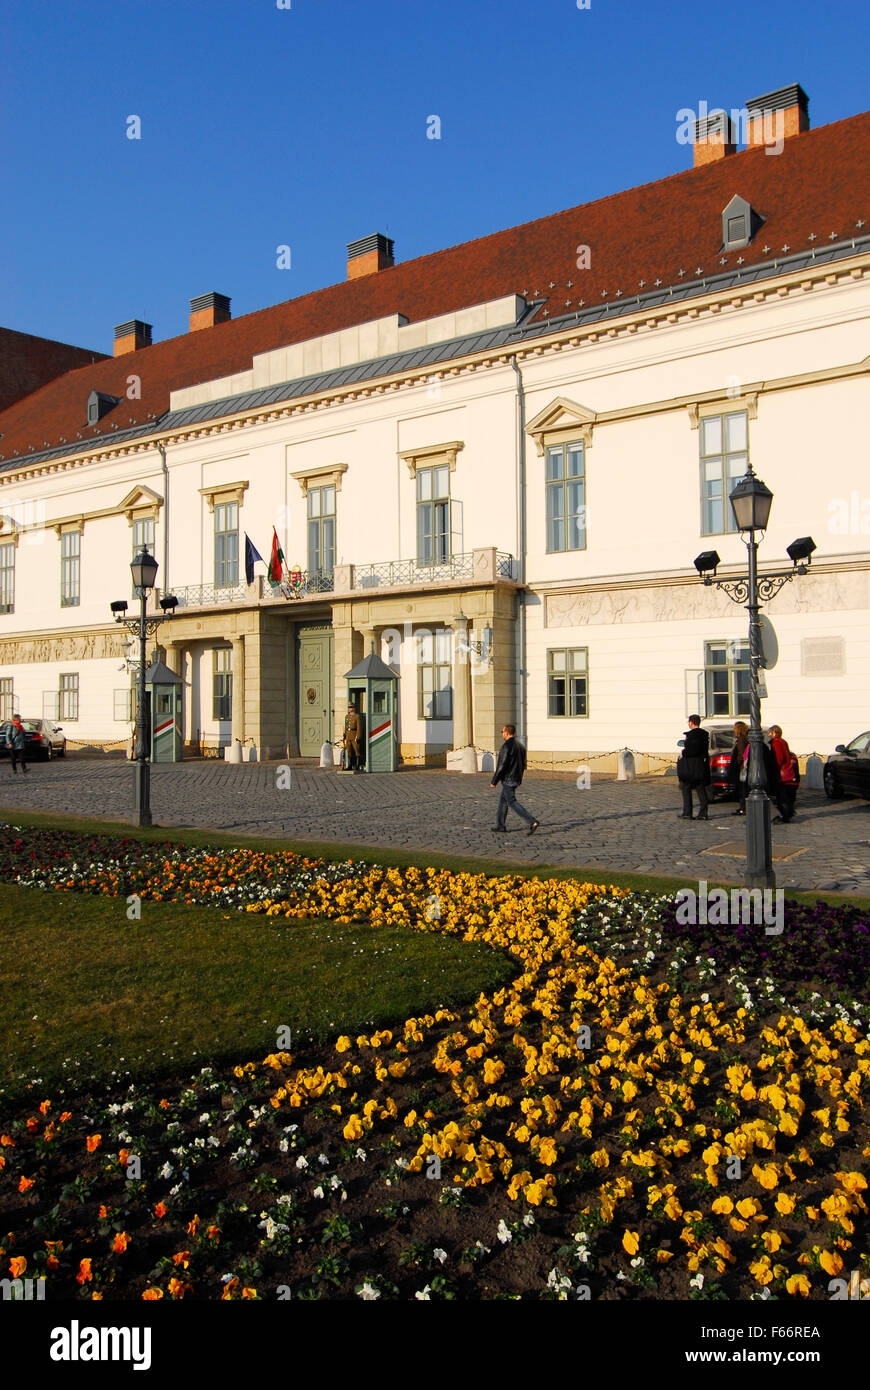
[{"x": 475, "y": 567}]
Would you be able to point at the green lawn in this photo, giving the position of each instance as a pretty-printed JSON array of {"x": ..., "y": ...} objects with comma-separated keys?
[{"x": 85, "y": 992}]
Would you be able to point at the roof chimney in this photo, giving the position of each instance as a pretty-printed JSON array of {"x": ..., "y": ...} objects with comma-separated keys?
[
  {"x": 777, "y": 115},
  {"x": 368, "y": 255},
  {"x": 208, "y": 309},
  {"x": 131, "y": 336},
  {"x": 714, "y": 138}
]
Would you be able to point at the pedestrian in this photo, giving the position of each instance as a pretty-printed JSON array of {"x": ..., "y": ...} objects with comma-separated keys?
[
  {"x": 693, "y": 768},
  {"x": 737, "y": 769},
  {"x": 788, "y": 776},
  {"x": 769, "y": 773},
  {"x": 16, "y": 742},
  {"x": 509, "y": 772}
]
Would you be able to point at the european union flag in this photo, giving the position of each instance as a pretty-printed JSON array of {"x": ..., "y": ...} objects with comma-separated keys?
[{"x": 251, "y": 554}]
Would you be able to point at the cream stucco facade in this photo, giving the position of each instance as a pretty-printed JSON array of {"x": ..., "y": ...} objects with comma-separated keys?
[{"x": 790, "y": 354}]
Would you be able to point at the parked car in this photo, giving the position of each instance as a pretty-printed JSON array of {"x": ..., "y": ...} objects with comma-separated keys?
[
  {"x": 847, "y": 772},
  {"x": 721, "y": 744},
  {"x": 44, "y": 739}
]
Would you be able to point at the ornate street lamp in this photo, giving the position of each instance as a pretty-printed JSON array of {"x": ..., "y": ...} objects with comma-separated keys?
[
  {"x": 751, "y": 502},
  {"x": 143, "y": 568}
]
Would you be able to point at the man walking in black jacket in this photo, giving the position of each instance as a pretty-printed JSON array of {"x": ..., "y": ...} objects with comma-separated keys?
[
  {"x": 693, "y": 768},
  {"x": 509, "y": 772}
]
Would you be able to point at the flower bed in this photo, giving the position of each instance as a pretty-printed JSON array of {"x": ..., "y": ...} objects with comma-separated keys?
[
  {"x": 818, "y": 966},
  {"x": 587, "y": 1131}
]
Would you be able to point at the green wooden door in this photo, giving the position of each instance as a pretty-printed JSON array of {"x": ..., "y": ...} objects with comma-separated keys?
[{"x": 315, "y": 690}]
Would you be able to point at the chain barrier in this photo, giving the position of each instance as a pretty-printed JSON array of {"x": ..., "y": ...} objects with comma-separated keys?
[
  {"x": 587, "y": 758},
  {"x": 101, "y": 743}
]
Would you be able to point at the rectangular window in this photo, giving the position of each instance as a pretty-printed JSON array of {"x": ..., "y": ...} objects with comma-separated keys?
[
  {"x": 724, "y": 460},
  {"x": 7, "y": 578},
  {"x": 226, "y": 545},
  {"x": 143, "y": 539},
  {"x": 6, "y": 706},
  {"x": 321, "y": 531},
  {"x": 726, "y": 679},
  {"x": 125, "y": 704},
  {"x": 433, "y": 515},
  {"x": 434, "y": 688},
  {"x": 222, "y": 684},
  {"x": 568, "y": 683},
  {"x": 70, "y": 568},
  {"x": 68, "y": 698},
  {"x": 566, "y": 497}
]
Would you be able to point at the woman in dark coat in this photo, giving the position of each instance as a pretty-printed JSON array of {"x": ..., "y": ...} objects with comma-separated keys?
[
  {"x": 770, "y": 773},
  {"x": 693, "y": 768},
  {"x": 737, "y": 766},
  {"x": 16, "y": 742}
]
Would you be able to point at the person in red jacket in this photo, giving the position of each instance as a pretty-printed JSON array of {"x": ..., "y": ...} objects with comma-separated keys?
[{"x": 788, "y": 774}]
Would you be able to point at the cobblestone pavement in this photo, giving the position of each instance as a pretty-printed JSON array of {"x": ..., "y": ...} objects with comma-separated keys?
[{"x": 628, "y": 826}]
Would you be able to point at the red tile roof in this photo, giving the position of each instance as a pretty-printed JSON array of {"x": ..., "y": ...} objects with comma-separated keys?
[
  {"x": 819, "y": 184},
  {"x": 28, "y": 362}
]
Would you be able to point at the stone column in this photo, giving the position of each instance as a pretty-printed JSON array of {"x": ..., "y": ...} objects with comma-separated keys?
[
  {"x": 347, "y": 652},
  {"x": 175, "y": 660},
  {"x": 238, "y": 718},
  {"x": 462, "y": 713}
]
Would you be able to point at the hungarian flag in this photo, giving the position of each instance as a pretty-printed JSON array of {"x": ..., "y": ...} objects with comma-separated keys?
[
  {"x": 251, "y": 554},
  {"x": 276, "y": 564}
]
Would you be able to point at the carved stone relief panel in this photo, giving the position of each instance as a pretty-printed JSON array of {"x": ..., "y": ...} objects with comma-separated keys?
[{"x": 812, "y": 593}]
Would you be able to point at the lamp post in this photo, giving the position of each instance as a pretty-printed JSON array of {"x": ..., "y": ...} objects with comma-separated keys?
[
  {"x": 143, "y": 568},
  {"x": 751, "y": 503}
]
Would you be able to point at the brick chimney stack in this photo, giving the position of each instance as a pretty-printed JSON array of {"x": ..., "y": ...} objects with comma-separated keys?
[
  {"x": 714, "y": 138},
  {"x": 784, "y": 111},
  {"x": 369, "y": 255},
  {"x": 131, "y": 336},
  {"x": 208, "y": 309}
]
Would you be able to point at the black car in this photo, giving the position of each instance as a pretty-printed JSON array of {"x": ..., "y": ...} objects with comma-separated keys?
[
  {"x": 44, "y": 739},
  {"x": 847, "y": 772}
]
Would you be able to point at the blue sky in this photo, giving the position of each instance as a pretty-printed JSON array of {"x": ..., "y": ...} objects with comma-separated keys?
[{"x": 307, "y": 127}]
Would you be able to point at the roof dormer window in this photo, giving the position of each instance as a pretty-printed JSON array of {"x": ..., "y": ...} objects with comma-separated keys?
[
  {"x": 99, "y": 404},
  {"x": 740, "y": 222}
]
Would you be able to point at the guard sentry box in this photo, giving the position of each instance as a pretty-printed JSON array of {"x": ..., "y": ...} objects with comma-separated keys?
[
  {"x": 165, "y": 691},
  {"x": 373, "y": 688}
]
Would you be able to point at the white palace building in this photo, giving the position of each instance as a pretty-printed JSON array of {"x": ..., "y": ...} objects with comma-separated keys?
[{"x": 494, "y": 464}]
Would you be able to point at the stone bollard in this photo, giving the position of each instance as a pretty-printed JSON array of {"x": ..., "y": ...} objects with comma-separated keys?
[
  {"x": 625, "y": 766},
  {"x": 462, "y": 760},
  {"x": 252, "y": 753},
  {"x": 233, "y": 751},
  {"x": 326, "y": 758},
  {"x": 813, "y": 773}
]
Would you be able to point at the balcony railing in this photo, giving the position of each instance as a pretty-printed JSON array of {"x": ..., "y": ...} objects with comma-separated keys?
[
  {"x": 397, "y": 573},
  {"x": 481, "y": 565},
  {"x": 400, "y": 572},
  {"x": 209, "y": 595}
]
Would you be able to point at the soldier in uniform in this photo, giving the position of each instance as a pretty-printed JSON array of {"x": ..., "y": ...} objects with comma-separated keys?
[{"x": 352, "y": 732}]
